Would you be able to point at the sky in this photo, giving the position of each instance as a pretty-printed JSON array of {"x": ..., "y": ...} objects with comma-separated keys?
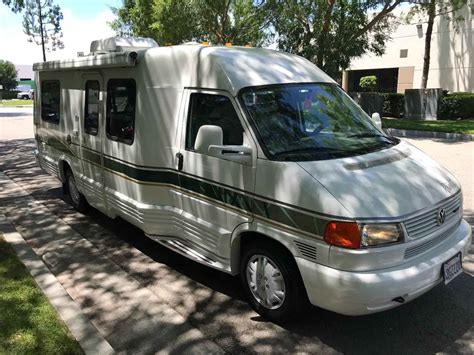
[{"x": 84, "y": 21}]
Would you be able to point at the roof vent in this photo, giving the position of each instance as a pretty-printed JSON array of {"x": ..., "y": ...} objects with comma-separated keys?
[{"x": 122, "y": 44}]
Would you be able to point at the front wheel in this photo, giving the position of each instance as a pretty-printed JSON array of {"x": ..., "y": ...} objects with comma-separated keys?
[
  {"x": 78, "y": 201},
  {"x": 272, "y": 282}
]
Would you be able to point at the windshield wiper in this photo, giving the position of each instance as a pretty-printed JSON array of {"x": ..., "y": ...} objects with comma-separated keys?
[
  {"x": 310, "y": 150},
  {"x": 367, "y": 135}
]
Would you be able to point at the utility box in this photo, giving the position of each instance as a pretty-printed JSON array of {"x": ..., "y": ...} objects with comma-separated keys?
[{"x": 422, "y": 104}]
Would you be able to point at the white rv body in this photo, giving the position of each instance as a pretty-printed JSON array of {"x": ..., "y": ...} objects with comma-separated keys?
[{"x": 203, "y": 205}]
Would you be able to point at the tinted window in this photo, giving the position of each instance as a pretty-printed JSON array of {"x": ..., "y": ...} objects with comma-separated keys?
[
  {"x": 298, "y": 122},
  {"x": 214, "y": 110},
  {"x": 91, "y": 111},
  {"x": 121, "y": 102},
  {"x": 50, "y": 100}
]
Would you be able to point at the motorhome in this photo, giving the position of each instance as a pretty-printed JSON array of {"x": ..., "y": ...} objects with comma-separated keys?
[{"x": 253, "y": 162}]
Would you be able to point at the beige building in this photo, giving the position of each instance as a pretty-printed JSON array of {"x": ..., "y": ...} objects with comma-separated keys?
[{"x": 400, "y": 68}]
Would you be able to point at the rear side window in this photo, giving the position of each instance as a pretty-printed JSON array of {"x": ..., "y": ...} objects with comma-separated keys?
[
  {"x": 91, "y": 110},
  {"x": 50, "y": 100},
  {"x": 217, "y": 110},
  {"x": 121, "y": 102}
]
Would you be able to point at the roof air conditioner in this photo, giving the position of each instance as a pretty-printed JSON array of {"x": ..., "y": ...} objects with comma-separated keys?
[{"x": 122, "y": 44}]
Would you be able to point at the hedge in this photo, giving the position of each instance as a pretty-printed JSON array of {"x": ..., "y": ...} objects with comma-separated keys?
[
  {"x": 458, "y": 105},
  {"x": 393, "y": 105},
  {"x": 8, "y": 94}
]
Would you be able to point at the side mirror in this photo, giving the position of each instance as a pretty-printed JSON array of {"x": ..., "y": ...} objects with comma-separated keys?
[
  {"x": 377, "y": 120},
  {"x": 206, "y": 136},
  {"x": 209, "y": 141}
]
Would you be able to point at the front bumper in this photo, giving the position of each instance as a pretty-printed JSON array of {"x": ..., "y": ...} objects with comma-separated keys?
[{"x": 359, "y": 293}]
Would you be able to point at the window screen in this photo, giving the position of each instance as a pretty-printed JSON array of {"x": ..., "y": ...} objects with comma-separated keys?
[
  {"x": 121, "y": 101},
  {"x": 50, "y": 100},
  {"x": 217, "y": 110},
  {"x": 91, "y": 110},
  {"x": 403, "y": 53}
]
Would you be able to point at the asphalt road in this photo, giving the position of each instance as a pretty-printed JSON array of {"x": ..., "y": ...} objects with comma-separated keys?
[{"x": 439, "y": 321}]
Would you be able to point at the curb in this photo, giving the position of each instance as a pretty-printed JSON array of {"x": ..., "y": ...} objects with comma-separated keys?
[
  {"x": 126, "y": 313},
  {"x": 89, "y": 338},
  {"x": 17, "y": 106},
  {"x": 429, "y": 134}
]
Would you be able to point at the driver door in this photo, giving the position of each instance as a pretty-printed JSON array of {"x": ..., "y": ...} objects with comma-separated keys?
[{"x": 213, "y": 189}]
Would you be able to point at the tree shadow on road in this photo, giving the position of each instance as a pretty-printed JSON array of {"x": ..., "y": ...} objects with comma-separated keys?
[{"x": 441, "y": 320}]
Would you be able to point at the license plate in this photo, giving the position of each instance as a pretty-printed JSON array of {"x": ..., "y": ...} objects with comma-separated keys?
[{"x": 452, "y": 268}]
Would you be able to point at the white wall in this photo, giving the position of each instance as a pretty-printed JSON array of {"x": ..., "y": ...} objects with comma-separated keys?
[{"x": 452, "y": 53}]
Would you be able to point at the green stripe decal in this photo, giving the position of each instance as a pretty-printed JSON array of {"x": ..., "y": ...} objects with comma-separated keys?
[
  {"x": 91, "y": 156},
  {"x": 289, "y": 217},
  {"x": 163, "y": 177}
]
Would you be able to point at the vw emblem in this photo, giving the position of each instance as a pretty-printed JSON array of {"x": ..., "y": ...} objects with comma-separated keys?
[{"x": 441, "y": 216}]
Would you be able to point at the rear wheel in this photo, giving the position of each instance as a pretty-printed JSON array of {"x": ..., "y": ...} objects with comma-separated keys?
[
  {"x": 78, "y": 201},
  {"x": 272, "y": 282}
]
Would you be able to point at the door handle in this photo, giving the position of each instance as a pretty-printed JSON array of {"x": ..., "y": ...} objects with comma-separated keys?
[
  {"x": 68, "y": 139},
  {"x": 180, "y": 158}
]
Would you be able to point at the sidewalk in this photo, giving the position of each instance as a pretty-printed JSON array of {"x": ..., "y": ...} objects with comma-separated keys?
[
  {"x": 407, "y": 133},
  {"x": 89, "y": 338},
  {"x": 130, "y": 317}
]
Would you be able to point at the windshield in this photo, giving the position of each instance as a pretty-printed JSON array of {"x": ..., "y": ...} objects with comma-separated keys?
[{"x": 311, "y": 122}]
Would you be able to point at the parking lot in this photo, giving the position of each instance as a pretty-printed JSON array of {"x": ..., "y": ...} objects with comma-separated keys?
[{"x": 440, "y": 321}]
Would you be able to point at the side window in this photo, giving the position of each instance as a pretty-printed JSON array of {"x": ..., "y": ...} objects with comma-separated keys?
[
  {"x": 50, "y": 100},
  {"x": 91, "y": 110},
  {"x": 121, "y": 102},
  {"x": 217, "y": 110}
]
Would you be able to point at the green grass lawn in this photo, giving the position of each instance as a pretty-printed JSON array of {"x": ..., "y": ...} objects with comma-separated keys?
[
  {"x": 462, "y": 126},
  {"x": 28, "y": 322},
  {"x": 16, "y": 102}
]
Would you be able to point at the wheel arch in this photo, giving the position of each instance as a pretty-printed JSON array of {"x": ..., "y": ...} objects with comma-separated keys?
[
  {"x": 64, "y": 165},
  {"x": 244, "y": 235}
]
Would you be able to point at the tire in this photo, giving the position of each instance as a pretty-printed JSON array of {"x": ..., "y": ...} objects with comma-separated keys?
[
  {"x": 77, "y": 200},
  {"x": 286, "y": 295}
]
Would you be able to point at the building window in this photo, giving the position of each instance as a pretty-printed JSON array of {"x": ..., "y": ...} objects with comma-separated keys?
[
  {"x": 91, "y": 110},
  {"x": 50, "y": 100},
  {"x": 403, "y": 53},
  {"x": 121, "y": 102},
  {"x": 217, "y": 110},
  {"x": 419, "y": 30}
]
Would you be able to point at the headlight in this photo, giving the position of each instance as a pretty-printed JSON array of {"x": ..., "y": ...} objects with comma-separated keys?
[{"x": 381, "y": 234}]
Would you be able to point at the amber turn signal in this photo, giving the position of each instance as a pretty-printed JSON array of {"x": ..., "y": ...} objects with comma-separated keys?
[{"x": 343, "y": 234}]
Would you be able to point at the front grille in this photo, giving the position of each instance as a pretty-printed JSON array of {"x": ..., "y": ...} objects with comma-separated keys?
[
  {"x": 426, "y": 223},
  {"x": 430, "y": 243}
]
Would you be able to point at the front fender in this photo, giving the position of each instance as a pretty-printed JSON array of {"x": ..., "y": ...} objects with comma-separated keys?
[{"x": 278, "y": 234}]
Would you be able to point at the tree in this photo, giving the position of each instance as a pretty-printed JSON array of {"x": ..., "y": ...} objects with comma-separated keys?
[
  {"x": 8, "y": 75},
  {"x": 15, "y": 5},
  {"x": 177, "y": 21},
  {"x": 331, "y": 33},
  {"x": 133, "y": 18},
  {"x": 368, "y": 83},
  {"x": 431, "y": 10},
  {"x": 237, "y": 21},
  {"x": 42, "y": 24}
]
